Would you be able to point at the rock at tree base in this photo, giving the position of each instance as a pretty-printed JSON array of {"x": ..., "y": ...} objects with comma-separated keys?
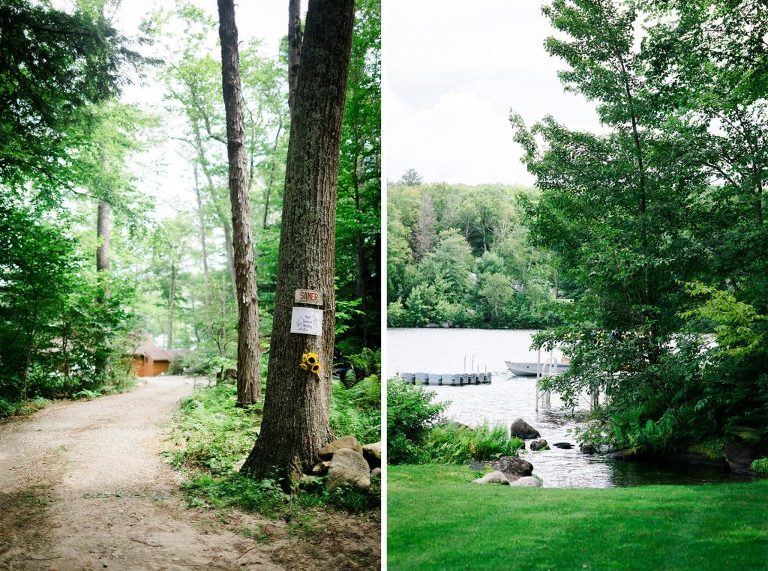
[
  {"x": 493, "y": 478},
  {"x": 348, "y": 467},
  {"x": 526, "y": 482},
  {"x": 375, "y": 473},
  {"x": 513, "y": 468},
  {"x": 539, "y": 445},
  {"x": 588, "y": 448},
  {"x": 372, "y": 453},
  {"x": 327, "y": 451},
  {"x": 523, "y": 430},
  {"x": 321, "y": 467},
  {"x": 563, "y": 445}
]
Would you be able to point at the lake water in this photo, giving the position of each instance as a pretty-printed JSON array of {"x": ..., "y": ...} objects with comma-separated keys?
[{"x": 509, "y": 397}]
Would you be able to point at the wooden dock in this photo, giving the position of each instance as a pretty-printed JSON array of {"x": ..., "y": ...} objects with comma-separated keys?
[{"x": 457, "y": 380}]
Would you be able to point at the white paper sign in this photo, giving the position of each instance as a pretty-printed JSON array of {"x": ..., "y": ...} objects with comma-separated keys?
[{"x": 307, "y": 320}]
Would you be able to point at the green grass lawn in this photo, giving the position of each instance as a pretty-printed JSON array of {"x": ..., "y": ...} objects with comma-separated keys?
[{"x": 438, "y": 519}]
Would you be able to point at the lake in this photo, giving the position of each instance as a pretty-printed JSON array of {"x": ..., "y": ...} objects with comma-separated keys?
[{"x": 509, "y": 397}]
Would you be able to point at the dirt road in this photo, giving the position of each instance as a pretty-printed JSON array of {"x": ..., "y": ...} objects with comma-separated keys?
[{"x": 82, "y": 486}]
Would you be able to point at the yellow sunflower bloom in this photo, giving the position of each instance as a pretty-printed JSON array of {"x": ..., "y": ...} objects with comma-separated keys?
[
  {"x": 304, "y": 366},
  {"x": 316, "y": 368}
]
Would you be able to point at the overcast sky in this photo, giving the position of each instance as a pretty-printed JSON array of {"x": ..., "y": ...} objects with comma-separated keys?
[
  {"x": 164, "y": 174},
  {"x": 452, "y": 72}
]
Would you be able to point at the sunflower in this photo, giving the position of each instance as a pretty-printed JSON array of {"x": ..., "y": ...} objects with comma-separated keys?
[
  {"x": 316, "y": 368},
  {"x": 304, "y": 366},
  {"x": 311, "y": 358}
]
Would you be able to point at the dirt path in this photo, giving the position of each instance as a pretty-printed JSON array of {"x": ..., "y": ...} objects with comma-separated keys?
[{"x": 82, "y": 486}]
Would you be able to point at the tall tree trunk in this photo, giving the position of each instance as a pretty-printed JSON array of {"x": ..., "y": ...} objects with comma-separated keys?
[
  {"x": 294, "y": 52},
  {"x": 204, "y": 250},
  {"x": 171, "y": 304},
  {"x": 271, "y": 179},
  {"x": 296, "y": 408},
  {"x": 248, "y": 383},
  {"x": 223, "y": 220},
  {"x": 103, "y": 233}
]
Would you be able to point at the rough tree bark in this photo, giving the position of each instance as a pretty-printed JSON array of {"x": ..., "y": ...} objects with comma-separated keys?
[
  {"x": 103, "y": 233},
  {"x": 294, "y": 52},
  {"x": 296, "y": 408},
  {"x": 171, "y": 304},
  {"x": 248, "y": 383}
]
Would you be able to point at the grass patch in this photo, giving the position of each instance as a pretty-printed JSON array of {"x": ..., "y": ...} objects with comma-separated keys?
[
  {"x": 438, "y": 519},
  {"x": 212, "y": 436}
]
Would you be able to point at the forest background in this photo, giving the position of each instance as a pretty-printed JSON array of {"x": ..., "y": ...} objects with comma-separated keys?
[{"x": 74, "y": 174}]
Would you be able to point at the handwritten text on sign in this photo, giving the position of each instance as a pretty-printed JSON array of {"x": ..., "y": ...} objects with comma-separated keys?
[
  {"x": 307, "y": 320},
  {"x": 308, "y": 296}
]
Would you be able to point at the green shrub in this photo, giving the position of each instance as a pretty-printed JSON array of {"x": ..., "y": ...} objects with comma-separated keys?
[
  {"x": 760, "y": 466},
  {"x": 357, "y": 410},
  {"x": 453, "y": 443},
  {"x": 410, "y": 412}
]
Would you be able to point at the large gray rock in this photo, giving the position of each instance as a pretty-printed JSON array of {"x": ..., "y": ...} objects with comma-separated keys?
[
  {"x": 540, "y": 444},
  {"x": 321, "y": 468},
  {"x": 740, "y": 455},
  {"x": 493, "y": 478},
  {"x": 523, "y": 430},
  {"x": 348, "y": 467},
  {"x": 372, "y": 453},
  {"x": 588, "y": 448},
  {"x": 327, "y": 451},
  {"x": 526, "y": 482},
  {"x": 513, "y": 468},
  {"x": 621, "y": 454}
]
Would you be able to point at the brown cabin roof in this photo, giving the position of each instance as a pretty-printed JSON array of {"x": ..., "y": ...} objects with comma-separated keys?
[{"x": 148, "y": 348}]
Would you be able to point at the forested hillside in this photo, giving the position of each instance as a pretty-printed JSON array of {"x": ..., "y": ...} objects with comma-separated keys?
[{"x": 460, "y": 256}]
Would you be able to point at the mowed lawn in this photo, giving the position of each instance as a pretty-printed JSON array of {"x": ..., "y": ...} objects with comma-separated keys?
[{"x": 438, "y": 519}]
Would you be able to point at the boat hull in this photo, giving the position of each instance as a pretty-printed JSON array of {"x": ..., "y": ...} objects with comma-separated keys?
[{"x": 530, "y": 369}]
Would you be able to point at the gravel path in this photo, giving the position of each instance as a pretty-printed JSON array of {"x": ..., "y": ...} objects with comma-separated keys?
[{"x": 82, "y": 486}]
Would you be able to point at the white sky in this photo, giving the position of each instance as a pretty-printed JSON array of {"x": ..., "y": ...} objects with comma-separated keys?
[
  {"x": 452, "y": 71},
  {"x": 164, "y": 174}
]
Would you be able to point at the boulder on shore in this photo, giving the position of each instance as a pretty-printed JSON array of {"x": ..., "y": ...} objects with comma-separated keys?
[
  {"x": 513, "y": 468},
  {"x": 740, "y": 455},
  {"x": 540, "y": 444},
  {"x": 523, "y": 430},
  {"x": 621, "y": 454},
  {"x": 493, "y": 478},
  {"x": 526, "y": 482},
  {"x": 348, "y": 467},
  {"x": 372, "y": 453},
  {"x": 327, "y": 451},
  {"x": 588, "y": 448}
]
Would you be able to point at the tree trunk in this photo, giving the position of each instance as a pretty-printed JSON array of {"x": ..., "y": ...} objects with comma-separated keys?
[
  {"x": 225, "y": 224},
  {"x": 204, "y": 249},
  {"x": 171, "y": 304},
  {"x": 248, "y": 383},
  {"x": 296, "y": 408},
  {"x": 103, "y": 233},
  {"x": 294, "y": 52}
]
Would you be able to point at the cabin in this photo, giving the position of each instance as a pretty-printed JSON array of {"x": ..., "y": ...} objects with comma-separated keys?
[{"x": 149, "y": 360}]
